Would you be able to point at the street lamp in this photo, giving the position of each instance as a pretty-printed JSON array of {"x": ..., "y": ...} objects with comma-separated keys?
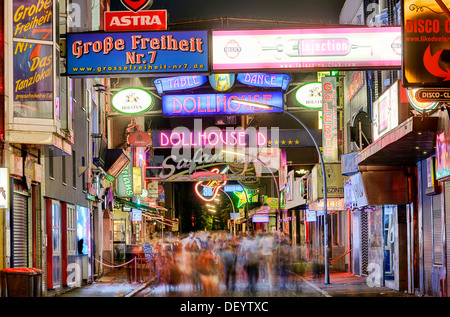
[{"x": 325, "y": 202}]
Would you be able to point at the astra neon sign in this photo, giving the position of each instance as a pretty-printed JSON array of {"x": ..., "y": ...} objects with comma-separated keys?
[
  {"x": 216, "y": 138},
  {"x": 221, "y": 104}
]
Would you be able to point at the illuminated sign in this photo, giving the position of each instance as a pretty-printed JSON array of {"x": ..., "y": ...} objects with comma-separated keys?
[
  {"x": 178, "y": 83},
  {"x": 356, "y": 85},
  {"x": 136, "y": 5},
  {"x": 124, "y": 182},
  {"x": 433, "y": 94},
  {"x": 426, "y": 43},
  {"x": 136, "y": 53},
  {"x": 385, "y": 112},
  {"x": 220, "y": 104},
  {"x": 310, "y": 95},
  {"x": 265, "y": 80},
  {"x": 246, "y": 196},
  {"x": 4, "y": 188},
  {"x": 329, "y": 120},
  {"x": 132, "y": 100},
  {"x": 310, "y": 216},
  {"x": 260, "y": 218},
  {"x": 212, "y": 137},
  {"x": 332, "y": 203},
  {"x": 422, "y": 105},
  {"x": 306, "y": 48},
  {"x": 294, "y": 138},
  {"x": 272, "y": 202},
  {"x": 139, "y": 139},
  {"x": 213, "y": 186},
  {"x": 137, "y": 180},
  {"x": 136, "y": 215},
  {"x": 139, "y": 21},
  {"x": 221, "y": 82},
  {"x": 233, "y": 188},
  {"x": 235, "y": 215}
]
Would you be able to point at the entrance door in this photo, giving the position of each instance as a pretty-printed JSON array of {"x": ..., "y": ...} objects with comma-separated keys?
[
  {"x": 56, "y": 243},
  {"x": 54, "y": 261}
]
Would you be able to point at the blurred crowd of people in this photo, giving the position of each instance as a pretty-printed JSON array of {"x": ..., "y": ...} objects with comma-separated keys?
[{"x": 204, "y": 261}]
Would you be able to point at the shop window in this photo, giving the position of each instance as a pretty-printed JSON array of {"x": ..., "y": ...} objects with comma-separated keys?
[{"x": 389, "y": 237}]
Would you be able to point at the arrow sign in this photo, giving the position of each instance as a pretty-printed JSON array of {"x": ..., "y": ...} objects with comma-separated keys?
[
  {"x": 433, "y": 95},
  {"x": 431, "y": 63}
]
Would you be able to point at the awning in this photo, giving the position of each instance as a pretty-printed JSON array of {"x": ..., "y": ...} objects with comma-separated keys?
[
  {"x": 139, "y": 206},
  {"x": 412, "y": 141},
  {"x": 150, "y": 212}
]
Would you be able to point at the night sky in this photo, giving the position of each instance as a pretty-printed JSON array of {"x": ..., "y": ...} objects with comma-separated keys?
[{"x": 326, "y": 11}]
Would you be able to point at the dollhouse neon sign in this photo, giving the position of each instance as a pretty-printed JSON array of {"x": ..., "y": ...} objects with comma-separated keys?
[{"x": 238, "y": 138}]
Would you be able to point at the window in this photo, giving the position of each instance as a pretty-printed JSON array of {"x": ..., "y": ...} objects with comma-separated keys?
[
  {"x": 51, "y": 173},
  {"x": 74, "y": 169},
  {"x": 83, "y": 178},
  {"x": 63, "y": 170}
]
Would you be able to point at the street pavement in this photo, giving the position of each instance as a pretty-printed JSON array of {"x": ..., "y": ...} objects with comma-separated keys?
[
  {"x": 345, "y": 291},
  {"x": 116, "y": 284}
]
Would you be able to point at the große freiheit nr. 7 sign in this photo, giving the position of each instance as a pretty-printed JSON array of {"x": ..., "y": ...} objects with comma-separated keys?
[{"x": 97, "y": 54}]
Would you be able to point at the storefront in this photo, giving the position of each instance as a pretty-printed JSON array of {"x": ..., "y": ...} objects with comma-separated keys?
[{"x": 385, "y": 204}]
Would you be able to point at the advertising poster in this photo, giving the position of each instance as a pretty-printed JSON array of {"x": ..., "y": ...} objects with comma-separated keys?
[
  {"x": 426, "y": 43},
  {"x": 32, "y": 19},
  {"x": 99, "y": 54},
  {"x": 443, "y": 147},
  {"x": 33, "y": 70},
  {"x": 33, "y": 73},
  {"x": 307, "y": 48}
]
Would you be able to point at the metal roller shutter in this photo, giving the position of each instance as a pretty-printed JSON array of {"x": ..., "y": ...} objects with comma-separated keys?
[
  {"x": 446, "y": 198},
  {"x": 19, "y": 230}
]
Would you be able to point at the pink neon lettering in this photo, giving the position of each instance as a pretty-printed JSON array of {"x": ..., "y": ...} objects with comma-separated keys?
[
  {"x": 163, "y": 139},
  {"x": 261, "y": 139}
]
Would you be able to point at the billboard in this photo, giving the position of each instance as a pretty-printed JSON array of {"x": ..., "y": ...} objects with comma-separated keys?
[
  {"x": 307, "y": 48},
  {"x": 97, "y": 54},
  {"x": 426, "y": 43}
]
